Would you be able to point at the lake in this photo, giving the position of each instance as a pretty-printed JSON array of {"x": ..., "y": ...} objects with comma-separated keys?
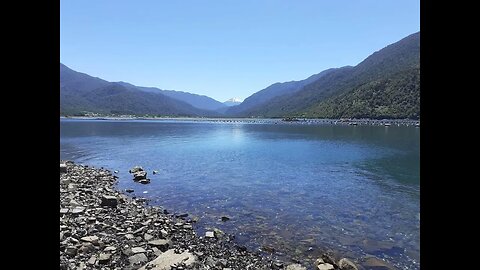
[{"x": 300, "y": 189}]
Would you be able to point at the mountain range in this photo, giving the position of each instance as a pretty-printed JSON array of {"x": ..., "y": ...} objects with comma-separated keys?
[
  {"x": 81, "y": 93},
  {"x": 384, "y": 85}
]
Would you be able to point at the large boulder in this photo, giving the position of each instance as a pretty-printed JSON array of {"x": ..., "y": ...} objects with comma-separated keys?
[{"x": 168, "y": 258}]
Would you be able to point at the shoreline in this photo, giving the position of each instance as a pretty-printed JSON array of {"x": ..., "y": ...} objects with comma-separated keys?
[
  {"x": 101, "y": 226},
  {"x": 245, "y": 120}
]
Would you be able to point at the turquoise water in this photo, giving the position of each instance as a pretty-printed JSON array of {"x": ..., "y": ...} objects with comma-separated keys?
[{"x": 300, "y": 189}]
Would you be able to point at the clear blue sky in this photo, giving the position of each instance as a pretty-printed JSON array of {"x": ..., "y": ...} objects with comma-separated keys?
[{"x": 226, "y": 48}]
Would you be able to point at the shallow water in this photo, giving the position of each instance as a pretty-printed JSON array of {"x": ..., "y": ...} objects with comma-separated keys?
[{"x": 297, "y": 188}]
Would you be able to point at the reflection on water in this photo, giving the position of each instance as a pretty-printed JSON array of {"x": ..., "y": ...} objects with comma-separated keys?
[{"x": 298, "y": 189}]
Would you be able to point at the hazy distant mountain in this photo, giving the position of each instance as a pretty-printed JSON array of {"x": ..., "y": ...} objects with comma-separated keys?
[
  {"x": 80, "y": 93},
  {"x": 385, "y": 85},
  {"x": 232, "y": 102},
  {"x": 198, "y": 101},
  {"x": 277, "y": 89}
]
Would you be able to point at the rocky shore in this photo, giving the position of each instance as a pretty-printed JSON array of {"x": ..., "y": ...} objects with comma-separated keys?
[
  {"x": 103, "y": 228},
  {"x": 288, "y": 120}
]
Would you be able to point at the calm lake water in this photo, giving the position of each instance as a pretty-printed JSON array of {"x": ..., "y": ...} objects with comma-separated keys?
[{"x": 300, "y": 189}]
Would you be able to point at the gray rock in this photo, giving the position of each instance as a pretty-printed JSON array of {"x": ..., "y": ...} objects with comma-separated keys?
[
  {"x": 71, "y": 251},
  {"x": 136, "y": 250},
  {"x": 225, "y": 218},
  {"x": 209, "y": 234},
  {"x": 156, "y": 251},
  {"x": 104, "y": 258},
  {"x": 147, "y": 237},
  {"x": 160, "y": 243},
  {"x": 128, "y": 190},
  {"x": 144, "y": 181},
  {"x": 92, "y": 260},
  {"x": 74, "y": 203},
  {"x": 155, "y": 172},
  {"x": 110, "y": 248},
  {"x": 71, "y": 187},
  {"x": 91, "y": 239},
  {"x": 296, "y": 266},
  {"x": 139, "y": 230},
  {"x": 78, "y": 210},
  {"x": 63, "y": 167},
  {"x": 346, "y": 264},
  {"x": 328, "y": 258},
  {"x": 109, "y": 201},
  {"x": 135, "y": 169},
  {"x": 325, "y": 266},
  {"x": 168, "y": 258},
  {"x": 81, "y": 266},
  {"x": 218, "y": 233},
  {"x": 86, "y": 248},
  {"x": 139, "y": 175},
  {"x": 63, "y": 210},
  {"x": 138, "y": 259}
]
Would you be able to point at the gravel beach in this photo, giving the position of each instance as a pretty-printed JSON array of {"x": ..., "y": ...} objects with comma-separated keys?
[{"x": 104, "y": 228}]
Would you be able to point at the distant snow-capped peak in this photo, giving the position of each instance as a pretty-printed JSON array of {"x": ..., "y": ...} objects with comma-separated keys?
[{"x": 235, "y": 99}]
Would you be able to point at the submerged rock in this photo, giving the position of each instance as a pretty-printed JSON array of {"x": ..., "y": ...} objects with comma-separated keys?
[
  {"x": 346, "y": 264},
  {"x": 376, "y": 263}
]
